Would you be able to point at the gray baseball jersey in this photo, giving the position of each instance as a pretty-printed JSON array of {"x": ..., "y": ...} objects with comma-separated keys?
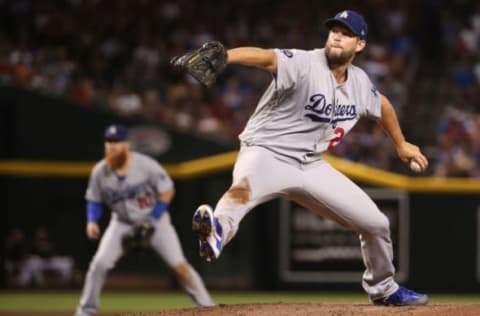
[
  {"x": 304, "y": 111},
  {"x": 130, "y": 198}
]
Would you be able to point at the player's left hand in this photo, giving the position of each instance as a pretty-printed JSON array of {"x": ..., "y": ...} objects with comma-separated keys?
[
  {"x": 139, "y": 236},
  {"x": 407, "y": 152},
  {"x": 205, "y": 63}
]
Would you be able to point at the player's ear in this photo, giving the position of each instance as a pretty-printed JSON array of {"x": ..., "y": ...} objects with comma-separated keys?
[{"x": 360, "y": 45}]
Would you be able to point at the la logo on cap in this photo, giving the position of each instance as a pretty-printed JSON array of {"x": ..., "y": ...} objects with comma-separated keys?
[
  {"x": 113, "y": 130},
  {"x": 344, "y": 15}
]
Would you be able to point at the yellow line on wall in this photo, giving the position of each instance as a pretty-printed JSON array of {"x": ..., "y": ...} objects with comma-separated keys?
[
  {"x": 203, "y": 166},
  {"x": 224, "y": 162},
  {"x": 373, "y": 176},
  {"x": 37, "y": 168}
]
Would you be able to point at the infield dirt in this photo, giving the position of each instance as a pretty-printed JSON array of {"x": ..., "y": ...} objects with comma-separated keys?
[
  {"x": 313, "y": 309},
  {"x": 288, "y": 309}
]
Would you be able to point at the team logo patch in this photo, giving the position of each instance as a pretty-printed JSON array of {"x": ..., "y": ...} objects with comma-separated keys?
[
  {"x": 287, "y": 53},
  {"x": 112, "y": 196},
  {"x": 321, "y": 111},
  {"x": 344, "y": 15}
]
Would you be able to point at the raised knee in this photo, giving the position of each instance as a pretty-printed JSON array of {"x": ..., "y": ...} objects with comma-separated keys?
[
  {"x": 240, "y": 192},
  {"x": 378, "y": 227},
  {"x": 381, "y": 226}
]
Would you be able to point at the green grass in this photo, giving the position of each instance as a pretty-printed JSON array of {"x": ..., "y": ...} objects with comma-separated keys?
[{"x": 152, "y": 301}]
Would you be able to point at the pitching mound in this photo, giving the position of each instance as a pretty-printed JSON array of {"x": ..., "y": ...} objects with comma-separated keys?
[{"x": 284, "y": 309}]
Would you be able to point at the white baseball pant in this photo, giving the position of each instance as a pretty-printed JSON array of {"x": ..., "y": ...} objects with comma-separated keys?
[
  {"x": 260, "y": 175},
  {"x": 164, "y": 241}
]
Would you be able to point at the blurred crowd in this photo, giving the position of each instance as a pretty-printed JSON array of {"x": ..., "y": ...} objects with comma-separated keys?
[
  {"x": 34, "y": 262},
  {"x": 114, "y": 56},
  {"x": 458, "y": 130}
]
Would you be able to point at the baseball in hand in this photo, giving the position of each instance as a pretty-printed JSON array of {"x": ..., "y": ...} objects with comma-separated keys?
[{"x": 414, "y": 166}]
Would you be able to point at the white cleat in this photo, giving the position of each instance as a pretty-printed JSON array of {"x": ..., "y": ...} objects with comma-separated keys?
[{"x": 209, "y": 232}]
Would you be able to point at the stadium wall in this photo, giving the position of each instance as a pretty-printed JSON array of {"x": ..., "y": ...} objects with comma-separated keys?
[{"x": 49, "y": 146}]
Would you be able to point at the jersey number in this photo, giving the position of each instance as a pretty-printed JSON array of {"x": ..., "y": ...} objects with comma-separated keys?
[
  {"x": 145, "y": 200},
  {"x": 339, "y": 132}
]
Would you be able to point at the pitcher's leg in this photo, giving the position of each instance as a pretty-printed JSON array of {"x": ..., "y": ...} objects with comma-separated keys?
[
  {"x": 258, "y": 176},
  {"x": 342, "y": 200},
  {"x": 166, "y": 243},
  {"x": 108, "y": 252},
  {"x": 230, "y": 212},
  {"x": 377, "y": 255}
]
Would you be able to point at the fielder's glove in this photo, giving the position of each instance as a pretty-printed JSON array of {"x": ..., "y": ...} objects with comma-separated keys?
[
  {"x": 204, "y": 63},
  {"x": 139, "y": 236}
]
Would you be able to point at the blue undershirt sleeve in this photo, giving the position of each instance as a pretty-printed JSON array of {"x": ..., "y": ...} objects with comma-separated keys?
[
  {"x": 159, "y": 209},
  {"x": 94, "y": 211}
]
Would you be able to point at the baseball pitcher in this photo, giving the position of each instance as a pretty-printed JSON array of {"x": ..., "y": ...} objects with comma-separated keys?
[
  {"x": 314, "y": 99},
  {"x": 138, "y": 191}
]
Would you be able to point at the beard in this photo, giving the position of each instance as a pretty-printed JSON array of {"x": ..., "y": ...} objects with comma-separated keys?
[
  {"x": 116, "y": 161},
  {"x": 335, "y": 59}
]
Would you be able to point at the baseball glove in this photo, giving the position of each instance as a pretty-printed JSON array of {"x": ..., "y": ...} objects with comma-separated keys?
[
  {"x": 204, "y": 63},
  {"x": 139, "y": 236}
]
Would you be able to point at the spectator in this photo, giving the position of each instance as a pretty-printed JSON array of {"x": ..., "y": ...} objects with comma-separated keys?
[
  {"x": 121, "y": 52},
  {"x": 29, "y": 266},
  {"x": 458, "y": 149},
  {"x": 16, "y": 253},
  {"x": 48, "y": 260}
]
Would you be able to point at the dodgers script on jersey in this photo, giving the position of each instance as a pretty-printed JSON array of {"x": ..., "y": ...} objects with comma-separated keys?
[
  {"x": 130, "y": 198},
  {"x": 305, "y": 111}
]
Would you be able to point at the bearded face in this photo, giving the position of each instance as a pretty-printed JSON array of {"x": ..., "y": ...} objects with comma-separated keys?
[
  {"x": 116, "y": 154},
  {"x": 342, "y": 45},
  {"x": 337, "y": 56}
]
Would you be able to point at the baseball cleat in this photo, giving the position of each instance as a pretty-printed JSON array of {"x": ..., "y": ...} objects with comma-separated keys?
[
  {"x": 403, "y": 297},
  {"x": 209, "y": 232}
]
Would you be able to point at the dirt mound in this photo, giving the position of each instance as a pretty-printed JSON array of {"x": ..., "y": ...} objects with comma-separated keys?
[
  {"x": 301, "y": 309},
  {"x": 312, "y": 309}
]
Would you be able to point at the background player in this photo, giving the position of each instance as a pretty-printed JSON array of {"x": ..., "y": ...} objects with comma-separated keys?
[
  {"x": 136, "y": 188},
  {"x": 314, "y": 99}
]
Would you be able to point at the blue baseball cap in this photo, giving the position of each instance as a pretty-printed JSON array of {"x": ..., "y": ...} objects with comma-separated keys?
[
  {"x": 352, "y": 20},
  {"x": 115, "y": 132}
]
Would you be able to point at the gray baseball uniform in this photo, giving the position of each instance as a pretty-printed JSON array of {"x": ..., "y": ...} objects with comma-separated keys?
[
  {"x": 304, "y": 112},
  {"x": 131, "y": 200}
]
